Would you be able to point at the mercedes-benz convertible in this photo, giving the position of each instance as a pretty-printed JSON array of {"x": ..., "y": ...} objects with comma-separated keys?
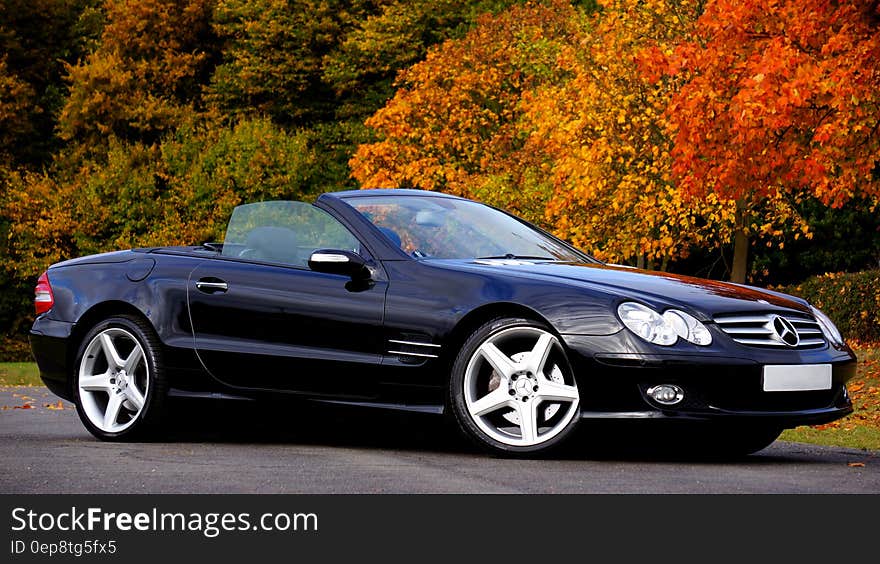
[{"x": 421, "y": 301}]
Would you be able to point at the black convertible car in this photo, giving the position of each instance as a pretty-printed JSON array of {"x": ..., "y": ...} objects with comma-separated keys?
[{"x": 421, "y": 301}]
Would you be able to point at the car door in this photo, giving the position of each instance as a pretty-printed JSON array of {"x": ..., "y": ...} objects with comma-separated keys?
[{"x": 262, "y": 319}]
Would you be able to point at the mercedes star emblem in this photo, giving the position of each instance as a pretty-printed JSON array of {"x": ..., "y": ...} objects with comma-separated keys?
[{"x": 785, "y": 331}]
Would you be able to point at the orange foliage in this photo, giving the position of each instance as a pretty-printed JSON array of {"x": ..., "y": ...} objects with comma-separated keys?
[
  {"x": 561, "y": 117},
  {"x": 454, "y": 123},
  {"x": 781, "y": 95},
  {"x": 605, "y": 130}
]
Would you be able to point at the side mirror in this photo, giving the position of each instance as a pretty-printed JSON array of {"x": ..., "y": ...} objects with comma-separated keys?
[{"x": 333, "y": 261}]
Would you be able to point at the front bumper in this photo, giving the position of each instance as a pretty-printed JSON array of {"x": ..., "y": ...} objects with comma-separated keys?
[{"x": 614, "y": 374}]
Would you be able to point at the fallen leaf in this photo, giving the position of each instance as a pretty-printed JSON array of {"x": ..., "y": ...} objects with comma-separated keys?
[
  {"x": 24, "y": 406},
  {"x": 856, "y": 464},
  {"x": 55, "y": 406}
]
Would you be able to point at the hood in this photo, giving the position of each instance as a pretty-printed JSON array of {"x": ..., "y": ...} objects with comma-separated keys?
[{"x": 660, "y": 289}]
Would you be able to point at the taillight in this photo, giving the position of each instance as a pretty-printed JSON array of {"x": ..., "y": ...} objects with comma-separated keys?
[{"x": 43, "y": 298}]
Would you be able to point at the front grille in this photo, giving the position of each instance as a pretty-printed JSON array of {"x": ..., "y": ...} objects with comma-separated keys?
[{"x": 762, "y": 330}]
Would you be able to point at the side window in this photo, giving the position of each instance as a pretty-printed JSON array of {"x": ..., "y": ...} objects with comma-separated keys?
[{"x": 284, "y": 232}]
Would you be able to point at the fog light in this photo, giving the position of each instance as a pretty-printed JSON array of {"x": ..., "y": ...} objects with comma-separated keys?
[{"x": 667, "y": 394}]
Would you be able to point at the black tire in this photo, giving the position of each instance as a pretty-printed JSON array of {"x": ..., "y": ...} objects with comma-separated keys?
[
  {"x": 458, "y": 403},
  {"x": 147, "y": 421}
]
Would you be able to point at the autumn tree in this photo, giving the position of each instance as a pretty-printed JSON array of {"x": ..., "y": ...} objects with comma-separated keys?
[
  {"x": 37, "y": 39},
  {"x": 632, "y": 129},
  {"x": 16, "y": 99},
  {"x": 782, "y": 100},
  {"x": 454, "y": 123},
  {"x": 604, "y": 129},
  {"x": 162, "y": 143},
  {"x": 273, "y": 54},
  {"x": 325, "y": 66},
  {"x": 178, "y": 191},
  {"x": 145, "y": 75},
  {"x": 362, "y": 67},
  {"x": 558, "y": 114}
]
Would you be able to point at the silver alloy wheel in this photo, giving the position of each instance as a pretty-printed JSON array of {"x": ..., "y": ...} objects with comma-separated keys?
[
  {"x": 504, "y": 393},
  {"x": 113, "y": 380}
]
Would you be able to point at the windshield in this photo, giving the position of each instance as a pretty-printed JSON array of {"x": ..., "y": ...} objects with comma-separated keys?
[{"x": 446, "y": 228}]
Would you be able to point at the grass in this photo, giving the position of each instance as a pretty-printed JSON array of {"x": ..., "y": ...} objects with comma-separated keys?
[
  {"x": 19, "y": 374},
  {"x": 851, "y": 436},
  {"x": 860, "y": 430}
]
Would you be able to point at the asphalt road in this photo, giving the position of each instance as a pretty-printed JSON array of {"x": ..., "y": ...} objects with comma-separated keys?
[{"x": 250, "y": 448}]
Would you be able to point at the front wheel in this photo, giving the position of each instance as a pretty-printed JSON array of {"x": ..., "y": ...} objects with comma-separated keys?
[
  {"x": 512, "y": 389},
  {"x": 119, "y": 384}
]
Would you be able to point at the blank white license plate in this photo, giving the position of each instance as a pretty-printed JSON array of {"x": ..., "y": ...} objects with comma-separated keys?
[{"x": 797, "y": 377}]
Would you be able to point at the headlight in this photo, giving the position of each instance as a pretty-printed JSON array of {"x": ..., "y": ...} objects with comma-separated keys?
[
  {"x": 646, "y": 323},
  {"x": 663, "y": 329},
  {"x": 688, "y": 327},
  {"x": 831, "y": 331}
]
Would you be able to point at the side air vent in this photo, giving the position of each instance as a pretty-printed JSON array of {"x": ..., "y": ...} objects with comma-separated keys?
[
  {"x": 773, "y": 330},
  {"x": 407, "y": 349}
]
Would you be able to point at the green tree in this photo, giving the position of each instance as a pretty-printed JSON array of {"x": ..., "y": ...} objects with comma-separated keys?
[
  {"x": 273, "y": 52},
  {"x": 180, "y": 190},
  {"x": 362, "y": 67}
]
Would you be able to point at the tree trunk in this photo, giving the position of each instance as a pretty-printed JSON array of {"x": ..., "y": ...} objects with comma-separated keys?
[{"x": 740, "y": 245}]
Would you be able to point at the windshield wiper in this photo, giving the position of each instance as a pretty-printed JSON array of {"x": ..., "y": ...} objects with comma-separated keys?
[{"x": 511, "y": 256}]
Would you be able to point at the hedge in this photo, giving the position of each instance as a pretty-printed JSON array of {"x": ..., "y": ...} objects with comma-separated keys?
[{"x": 850, "y": 299}]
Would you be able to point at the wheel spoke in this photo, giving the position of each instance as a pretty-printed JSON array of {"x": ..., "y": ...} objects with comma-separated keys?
[
  {"x": 110, "y": 351},
  {"x": 493, "y": 401},
  {"x": 134, "y": 396},
  {"x": 112, "y": 412},
  {"x": 538, "y": 356},
  {"x": 528, "y": 421},
  {"x": 95, "y": 383},
  {"x": 499, "y": 361},
  {"x": 134, "y": 359},
  {"x": 549, "y": 390}
]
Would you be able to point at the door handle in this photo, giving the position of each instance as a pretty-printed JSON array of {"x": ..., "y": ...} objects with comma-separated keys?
[{"x": 212, "y": 285}]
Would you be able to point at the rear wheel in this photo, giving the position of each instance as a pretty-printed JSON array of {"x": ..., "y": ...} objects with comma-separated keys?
[
  {"x": 119, "y": 383},
  {"x": 512, "y": 390}
]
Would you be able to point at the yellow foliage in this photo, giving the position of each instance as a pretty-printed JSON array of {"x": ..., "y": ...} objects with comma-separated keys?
[{"x": 560, "y": 117}]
